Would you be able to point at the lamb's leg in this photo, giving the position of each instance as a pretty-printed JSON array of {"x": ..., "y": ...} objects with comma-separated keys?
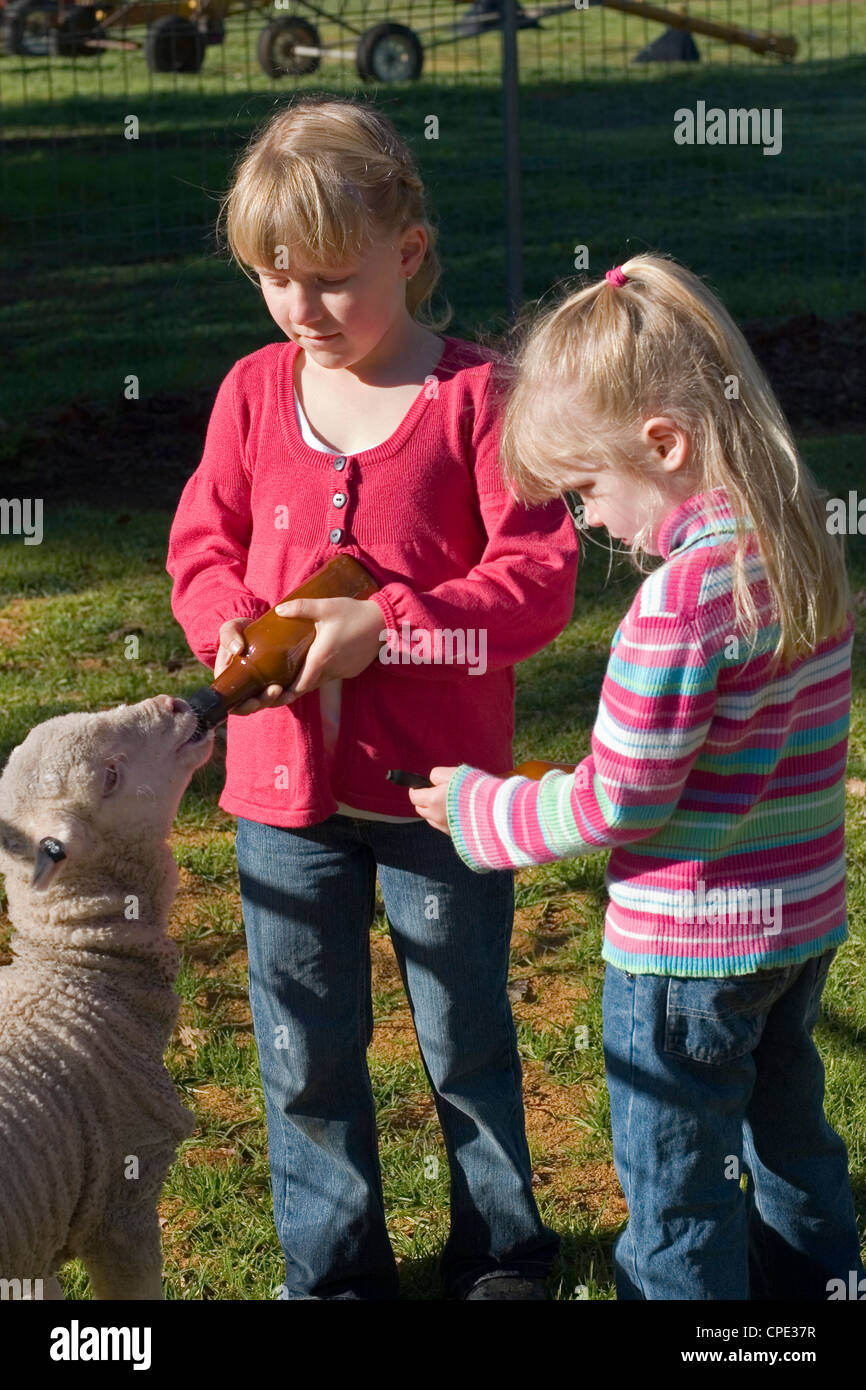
[{"x": 125, "y": 1262}]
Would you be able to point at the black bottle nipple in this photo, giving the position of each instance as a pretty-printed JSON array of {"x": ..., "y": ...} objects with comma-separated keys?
[{"x": 209, "y": 707}]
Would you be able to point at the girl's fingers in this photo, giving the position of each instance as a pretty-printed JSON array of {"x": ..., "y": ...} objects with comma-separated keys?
[
  {"x": 232, "y": 635},
  {"x": 248, "y": 707},
  {"x": 232, "y": 641},
  {"x": 272, "y": 697}
]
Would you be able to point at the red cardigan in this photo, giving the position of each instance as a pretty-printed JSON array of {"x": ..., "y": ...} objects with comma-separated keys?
[{"x": 427, "y": 513}]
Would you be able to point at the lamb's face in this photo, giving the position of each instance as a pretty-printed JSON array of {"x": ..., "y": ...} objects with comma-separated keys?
[{"x": 80, "y": 779}]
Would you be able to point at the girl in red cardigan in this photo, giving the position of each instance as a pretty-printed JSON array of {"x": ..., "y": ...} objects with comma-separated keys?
[{"x": 370, "y": 434}]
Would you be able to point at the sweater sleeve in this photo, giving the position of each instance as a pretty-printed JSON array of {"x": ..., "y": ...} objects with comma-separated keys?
[
  {"x": 657, "y": 702},
  {"x": 210, "y": 535},
  {"x": 520, "y": 594}
]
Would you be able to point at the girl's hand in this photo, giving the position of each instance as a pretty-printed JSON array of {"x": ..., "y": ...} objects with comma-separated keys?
[
  {"x": 430, "y": 802},
  {"x": 231, "y": 642},
  {"x": 346, "y": 641}
]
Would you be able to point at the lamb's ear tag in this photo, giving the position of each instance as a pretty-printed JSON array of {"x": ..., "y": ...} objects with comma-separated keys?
[{"x": 48, "y": 856}]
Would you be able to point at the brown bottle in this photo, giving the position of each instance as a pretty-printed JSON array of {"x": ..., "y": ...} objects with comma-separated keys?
[
  {"x": 276, "y": 647},
  {"x": 534, "y": 769}
]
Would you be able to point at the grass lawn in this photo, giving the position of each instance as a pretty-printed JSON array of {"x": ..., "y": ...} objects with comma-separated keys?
[
  {"x": 65, "y": 608},
  {"x": 108, "y": 258}
]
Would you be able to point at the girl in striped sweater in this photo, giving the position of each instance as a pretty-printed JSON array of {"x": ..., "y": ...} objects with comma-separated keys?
[{"x": 716, "y": 777}]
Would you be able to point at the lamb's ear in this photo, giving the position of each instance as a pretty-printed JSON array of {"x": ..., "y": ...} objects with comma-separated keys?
[
  {"x": 113, "y": 774},
  {"x": 72, "y": 843}
]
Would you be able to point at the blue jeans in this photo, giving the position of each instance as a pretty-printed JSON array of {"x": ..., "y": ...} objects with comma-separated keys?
[
  {"x": 308, "y": 901},
  {"x": 710, "y": 1078}
]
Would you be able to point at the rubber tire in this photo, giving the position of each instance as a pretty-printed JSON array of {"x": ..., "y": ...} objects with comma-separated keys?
[
  {"x": 287, "y": 65},
  {"x": 212, "y": 30},
  {"x": 13, "y": 30},
  {"x": 174, "y": 44},
  {"x": 77, "y": 24},
  {"x": 373, "y": 39}
]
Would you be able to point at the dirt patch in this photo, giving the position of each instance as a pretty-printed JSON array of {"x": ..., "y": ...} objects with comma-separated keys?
[
  {"x": 76, "y": 453},
  {"x": 417, "y": 1110},
  {"x": 157, "y": 441},
  {"x": 817, "y": 368},
  {"x": 394, "y": 1038},
  {"x": 174, "y": 1217},
  {"x": 386, "y": 971},
  {"x": 13, "y": 624},
  {"x": 551, "y": 999},
  {"x": 220, "y": 1104},
  {"x": 544, "y": 928},
  {"x": 595, "y": 1187},
  {"x": 210, "y": 1158},
  {"x": 555, "y": 1137}
]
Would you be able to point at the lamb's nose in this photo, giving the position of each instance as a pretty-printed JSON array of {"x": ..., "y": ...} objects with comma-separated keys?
[{"x": 171, "y": 704}]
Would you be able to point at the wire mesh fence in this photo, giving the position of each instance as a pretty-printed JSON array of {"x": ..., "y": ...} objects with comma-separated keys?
[{"x": 728, "y": 132}]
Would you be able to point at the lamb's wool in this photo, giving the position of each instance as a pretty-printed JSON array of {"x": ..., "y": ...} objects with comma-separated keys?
[{"x": 89, "y": 1117}]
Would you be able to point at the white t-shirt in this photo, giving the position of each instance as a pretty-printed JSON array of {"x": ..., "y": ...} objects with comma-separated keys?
[{"x": 330, "y": 691}]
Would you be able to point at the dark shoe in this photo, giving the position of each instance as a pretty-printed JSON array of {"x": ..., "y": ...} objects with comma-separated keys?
[{"x": 507, "y": 1286}]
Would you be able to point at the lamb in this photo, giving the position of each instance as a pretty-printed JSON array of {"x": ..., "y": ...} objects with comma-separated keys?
[{"x": 89, "y": 1117}]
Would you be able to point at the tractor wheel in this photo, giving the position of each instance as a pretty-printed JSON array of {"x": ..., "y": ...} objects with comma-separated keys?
[
  {"x": 26, "y": 27},
  {"x": 212, "y": 29},
  {"x": 174, "y": 44},
  {"x": 389, "y": 53},
  {"x": 277, "y": 44},
  {"x": 69, "y": 39}
]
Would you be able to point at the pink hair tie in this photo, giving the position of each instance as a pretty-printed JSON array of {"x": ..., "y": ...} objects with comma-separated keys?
[{"x": 616, "y": 277}]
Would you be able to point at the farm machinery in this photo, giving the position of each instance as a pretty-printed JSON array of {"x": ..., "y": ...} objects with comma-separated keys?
[{"x": 178, "y": 32}]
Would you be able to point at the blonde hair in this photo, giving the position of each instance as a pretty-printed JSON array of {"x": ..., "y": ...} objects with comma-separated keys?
[
  {"x": 585, "y": 375},
  {"x": 327, "y": 178}
]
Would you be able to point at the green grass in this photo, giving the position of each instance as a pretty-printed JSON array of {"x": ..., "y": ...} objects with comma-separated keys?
[
  {"x": 69, "y": 601},
  {"x": 108, "y": 247}
]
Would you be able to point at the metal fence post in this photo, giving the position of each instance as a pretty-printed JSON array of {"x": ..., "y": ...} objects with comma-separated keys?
[{"x": 511, "y": 123}]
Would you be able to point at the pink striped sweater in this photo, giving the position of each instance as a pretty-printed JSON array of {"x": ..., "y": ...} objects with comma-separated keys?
[{"x": 719, "y": 787}]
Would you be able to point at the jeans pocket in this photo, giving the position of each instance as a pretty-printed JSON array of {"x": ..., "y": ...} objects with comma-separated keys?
[{"x": 716, "y": 1021}]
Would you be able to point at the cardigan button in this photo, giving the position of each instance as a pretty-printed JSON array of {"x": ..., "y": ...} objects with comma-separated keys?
[
  {"x": 335, "y": 535},
  {"x": 339, "y": 462},
  {"x": 340, "y": 499}
]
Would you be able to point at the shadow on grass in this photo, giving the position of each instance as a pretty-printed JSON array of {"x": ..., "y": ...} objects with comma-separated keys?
[
  {"x": 841, "y": 1031},
  {"x": 584, "y": 1263}
]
